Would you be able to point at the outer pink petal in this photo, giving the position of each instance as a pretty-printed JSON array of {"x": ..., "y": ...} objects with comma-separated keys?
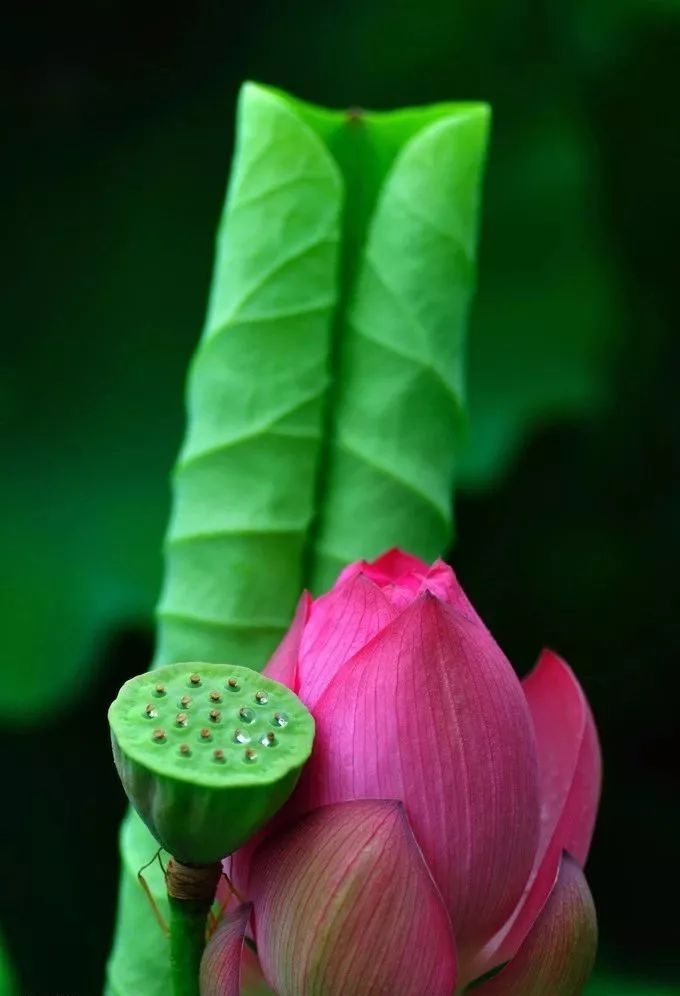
[
  {"x": 221, "y": 962},
  {"x": 340, "y": 623},
  {"x": 557, "y": 956},
  {"x": 570, "y": 771},
  {"x": 283, "y": 663},
  {"x": 432, "y": 713},
  {"x": 344, "y": 904},
  {"x": 569, "y": 758}
]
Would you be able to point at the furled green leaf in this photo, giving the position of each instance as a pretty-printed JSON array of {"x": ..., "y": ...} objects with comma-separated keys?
[
  {"x": 306, "y": 449},
  {"x": 393, "y": 446},
  {"x": 325, "y": 394},
  {"x": 244, "y": 486}
]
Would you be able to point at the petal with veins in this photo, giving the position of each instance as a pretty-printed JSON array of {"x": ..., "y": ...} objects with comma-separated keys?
[
  {"x": 345, "y": 904},
  {"x": 431, "y": 713},
  {"x": 221, "y": 962},
  {"x": 283, "y": 663},
  {"x": 557, "y": 955},
  {"x": 570, "y": 774},
  {"x": 340, "y": 623},
  {"x": 570, "y": 765}
]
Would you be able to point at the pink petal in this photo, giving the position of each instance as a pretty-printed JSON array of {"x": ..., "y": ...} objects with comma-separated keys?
[
  {"x": 431, "y": 713},
  {"x": 557, "y": 956},
  {"x": 395, "y": 567},
  {"x": 570, "y": 773},
  {"x": 221, "y": 962},
  {"x": 283, "y": 663},
  {"x": 569, "y": 759},
  {"x": 345, "y": 905},
  {"x": 441, "y": 581},
  {"x": 341, "y": 623}
]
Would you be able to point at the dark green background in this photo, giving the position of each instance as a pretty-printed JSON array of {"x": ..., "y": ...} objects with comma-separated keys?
[{"x": 120, "y": 118}]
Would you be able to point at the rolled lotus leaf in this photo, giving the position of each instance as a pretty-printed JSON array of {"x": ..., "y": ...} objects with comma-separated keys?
[{"x": 207, "y": 753}]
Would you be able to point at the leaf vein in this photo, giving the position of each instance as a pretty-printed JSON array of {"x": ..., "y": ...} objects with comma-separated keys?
[
  {"x": 403, "y": 482},
  {"x": 263, "y": 279},
  {"x": 425, "y": 365}
]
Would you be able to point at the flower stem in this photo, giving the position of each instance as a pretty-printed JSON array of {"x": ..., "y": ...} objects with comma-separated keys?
[{"x": 191, "y": 891}]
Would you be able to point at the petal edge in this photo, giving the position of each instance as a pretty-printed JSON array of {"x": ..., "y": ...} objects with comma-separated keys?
[{"x": 221, "y": 962}]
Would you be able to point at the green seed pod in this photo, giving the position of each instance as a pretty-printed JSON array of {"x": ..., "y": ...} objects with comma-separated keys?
[{"x": 207, "y": 753}]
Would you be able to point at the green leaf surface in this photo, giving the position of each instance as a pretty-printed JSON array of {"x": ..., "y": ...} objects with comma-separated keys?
[
  {"x": 244, "y": 485},
  {"x": 392, "y": 447}
]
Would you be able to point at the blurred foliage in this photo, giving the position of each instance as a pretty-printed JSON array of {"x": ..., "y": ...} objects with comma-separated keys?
[
  {"x": 115, "y": 229},
  {"x": 617, "y": 985},
  {"x": 112, "y": 187},
  {"x": 7, "y": 980}
]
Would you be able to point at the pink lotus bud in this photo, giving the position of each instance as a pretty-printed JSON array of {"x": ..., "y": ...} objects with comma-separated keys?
[{"x": 414, "y": 701}]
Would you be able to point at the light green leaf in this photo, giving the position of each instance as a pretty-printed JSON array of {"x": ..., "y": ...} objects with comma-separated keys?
[
  {"x": 244, "y": 486},
  {"x": 393, "y": 446}
]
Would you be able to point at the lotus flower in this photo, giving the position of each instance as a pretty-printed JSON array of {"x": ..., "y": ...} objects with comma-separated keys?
[{"x": 439, "y": 830}]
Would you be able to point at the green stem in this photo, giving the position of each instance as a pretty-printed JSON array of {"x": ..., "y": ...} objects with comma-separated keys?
[
  {"x": 187, "y": 940},
  {"x": 190, "y": 901}
]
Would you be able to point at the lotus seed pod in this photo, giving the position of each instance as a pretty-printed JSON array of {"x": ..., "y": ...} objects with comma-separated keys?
[{"x": 202, "y": 784}]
